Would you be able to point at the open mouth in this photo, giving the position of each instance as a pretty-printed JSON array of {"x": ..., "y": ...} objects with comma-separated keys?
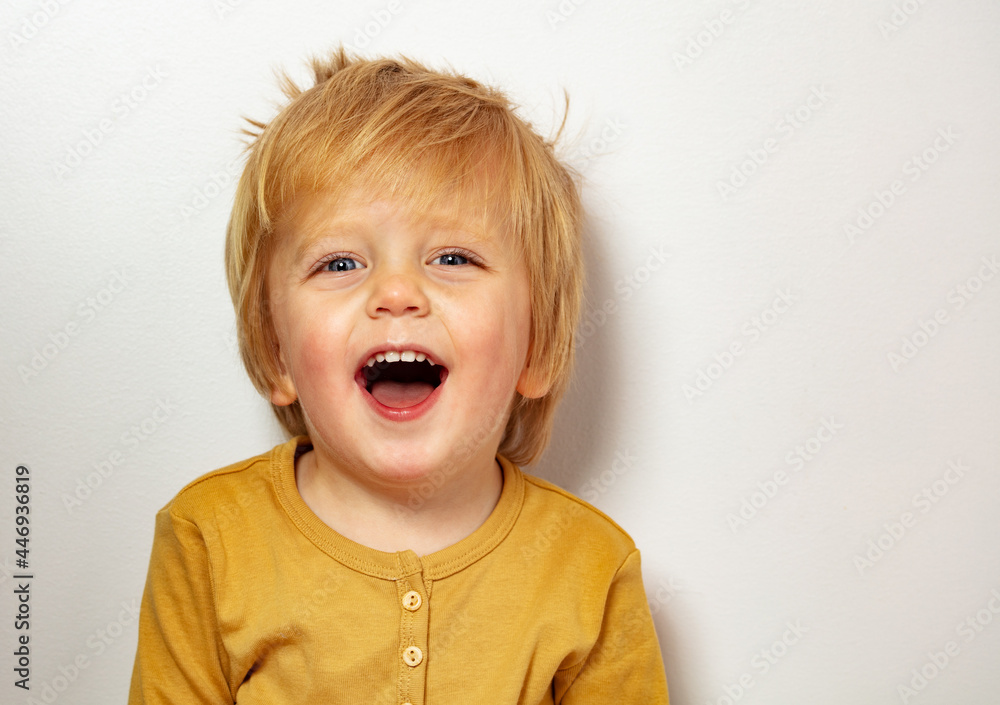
[{"x": 401, "y": 379}]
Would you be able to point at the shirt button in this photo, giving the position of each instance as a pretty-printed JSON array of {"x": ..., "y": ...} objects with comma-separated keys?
[
  {"x": 412, "y": 600},
  {"x": 412, "y": 656}
]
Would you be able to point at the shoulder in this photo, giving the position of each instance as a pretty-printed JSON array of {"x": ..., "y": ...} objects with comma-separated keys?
[
  {"x": 229, "y": 490},
  {"x": 555, "y": 517}
]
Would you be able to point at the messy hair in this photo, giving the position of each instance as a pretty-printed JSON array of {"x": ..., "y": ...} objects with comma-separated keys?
[{"x": 415, "y": 133}]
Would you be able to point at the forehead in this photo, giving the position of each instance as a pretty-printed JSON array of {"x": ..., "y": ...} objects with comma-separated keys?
[{"x": 359, "y": 208}]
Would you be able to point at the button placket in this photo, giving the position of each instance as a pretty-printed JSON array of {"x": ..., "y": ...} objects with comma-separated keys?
[
  {"x": 412, "y": 656},
  {"x": 412, "y": 601},
  {"x": 412, "y": 595}
]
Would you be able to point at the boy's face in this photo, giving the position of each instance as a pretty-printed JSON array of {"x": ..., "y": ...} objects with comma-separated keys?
[{"x": 363, "y": 278}]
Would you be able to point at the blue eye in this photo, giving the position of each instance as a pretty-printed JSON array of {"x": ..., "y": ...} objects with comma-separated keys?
[
  {"x": 341, "y": 264},
  {"x": 452, "y": 259}
]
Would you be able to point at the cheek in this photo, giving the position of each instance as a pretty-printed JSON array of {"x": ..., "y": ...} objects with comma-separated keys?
[
  {"x": 316, "y": 354},
  {"x": 517, "y": 319},
  {"x": 497, "y": 332}
]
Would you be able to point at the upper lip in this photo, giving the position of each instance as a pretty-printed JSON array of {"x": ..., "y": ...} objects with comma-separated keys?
[{"x": 399, "y": 347}]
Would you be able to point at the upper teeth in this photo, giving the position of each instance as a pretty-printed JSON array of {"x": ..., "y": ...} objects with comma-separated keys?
[{"x": 398, "y": 356}]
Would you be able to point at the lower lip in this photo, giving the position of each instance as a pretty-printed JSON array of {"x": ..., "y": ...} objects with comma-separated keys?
[{"x": 409, "y": 413}]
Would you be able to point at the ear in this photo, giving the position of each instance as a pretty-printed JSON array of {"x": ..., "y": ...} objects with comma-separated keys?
[
  {"x": 283, "y": 390},
  {"x": 532, "y": 384}
]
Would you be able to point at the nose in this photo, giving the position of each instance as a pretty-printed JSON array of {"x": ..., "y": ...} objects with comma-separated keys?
[{"x": 397, "y": 293}]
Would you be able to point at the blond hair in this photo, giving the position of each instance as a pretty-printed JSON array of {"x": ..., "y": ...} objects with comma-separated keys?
[{"x": 416, "y": 133}]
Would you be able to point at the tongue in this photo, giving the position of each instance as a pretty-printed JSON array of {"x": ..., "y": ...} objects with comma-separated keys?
[{"x": 400, "y": 395}]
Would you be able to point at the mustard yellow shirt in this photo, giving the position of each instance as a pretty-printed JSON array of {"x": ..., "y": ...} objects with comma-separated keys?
[{"x": 251, "y": 598}]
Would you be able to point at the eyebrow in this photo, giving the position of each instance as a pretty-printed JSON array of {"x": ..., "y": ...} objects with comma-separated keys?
[
  {"x": 317, "y": 235},
  {"x": 339, "y": 227}
]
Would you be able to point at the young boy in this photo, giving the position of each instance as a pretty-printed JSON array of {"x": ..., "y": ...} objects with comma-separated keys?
[{"x": 404, "y": 259}]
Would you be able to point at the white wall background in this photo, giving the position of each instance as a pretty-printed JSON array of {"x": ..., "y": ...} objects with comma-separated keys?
[{"x": 117, "y": 333}]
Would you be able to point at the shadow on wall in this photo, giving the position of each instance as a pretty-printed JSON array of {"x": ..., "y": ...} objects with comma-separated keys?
[
  {"x": 586, "y": 436},
  {"x": 586, "y": 422}
]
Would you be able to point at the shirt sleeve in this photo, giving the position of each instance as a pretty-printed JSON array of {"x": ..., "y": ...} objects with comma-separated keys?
[
  {"x": 180, "y": 657},
  {"x": 625, "y": 665}
]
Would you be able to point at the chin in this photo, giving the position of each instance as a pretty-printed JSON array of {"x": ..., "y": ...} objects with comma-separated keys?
[{"x": 408, "y": 465}]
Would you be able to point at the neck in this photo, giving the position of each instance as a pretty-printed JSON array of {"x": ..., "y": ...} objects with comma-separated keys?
[{"x": 397, "y": 517}]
